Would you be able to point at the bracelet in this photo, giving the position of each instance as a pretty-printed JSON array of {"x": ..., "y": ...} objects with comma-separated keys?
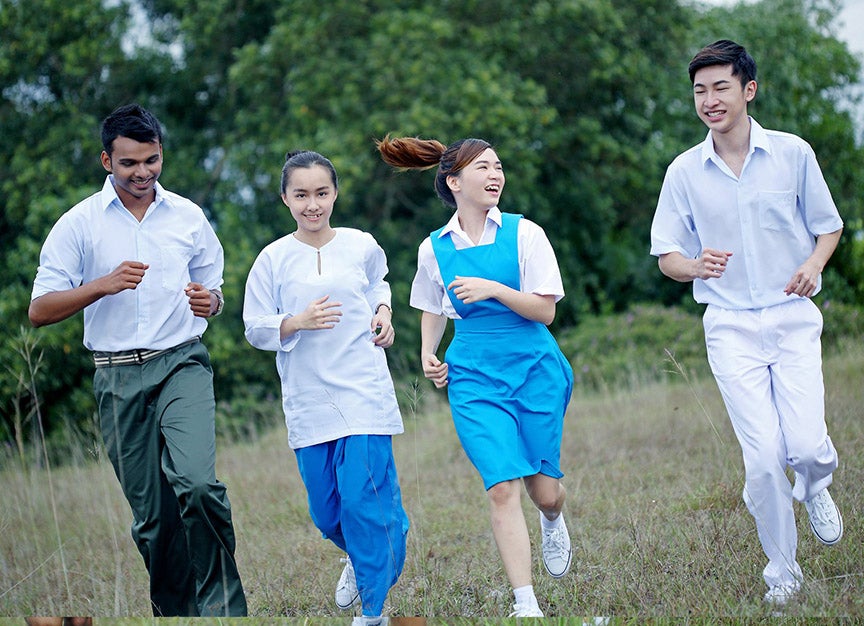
[
  {"x": 220, "y": 302},
  {"x": 386, "y": 306}
]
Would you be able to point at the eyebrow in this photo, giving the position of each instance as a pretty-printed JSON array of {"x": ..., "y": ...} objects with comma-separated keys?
[
  {"x": 722, "y": 81},
  {"x": 485, "y": 162},
  {"x": 321, "y": 188},
  {"x": 129, "y": 159}
]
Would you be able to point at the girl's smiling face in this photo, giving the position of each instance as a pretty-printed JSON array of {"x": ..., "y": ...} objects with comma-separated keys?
[
  {"x": 310, "y": 196},
  {"x": 480, "y": 183}
]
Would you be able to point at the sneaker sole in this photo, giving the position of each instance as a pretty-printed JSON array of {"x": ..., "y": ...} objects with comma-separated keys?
[
  {"x": 835, "y": 541},
  {"x": 351, "y": 604},
  {"x": 566, "y": 569}
]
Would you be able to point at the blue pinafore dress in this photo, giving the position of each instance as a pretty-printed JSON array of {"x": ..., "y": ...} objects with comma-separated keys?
[{"x": 508, "y": 381}]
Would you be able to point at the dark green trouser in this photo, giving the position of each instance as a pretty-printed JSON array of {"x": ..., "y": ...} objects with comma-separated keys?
[{"x": 159, "y": 428}]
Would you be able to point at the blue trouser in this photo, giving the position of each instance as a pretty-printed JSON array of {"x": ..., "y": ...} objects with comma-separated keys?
[
  {"x": 355, "y": 501},
  {"x": 158, "y": 424}
]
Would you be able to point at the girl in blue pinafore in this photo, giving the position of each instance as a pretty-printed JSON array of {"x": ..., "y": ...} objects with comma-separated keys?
[{"x": 496, "y": 276}]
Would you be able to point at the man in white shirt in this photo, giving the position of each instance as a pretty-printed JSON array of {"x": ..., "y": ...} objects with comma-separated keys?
[
  {"x": 145, "y": 266},
  {"x": 746, "y": 215}
]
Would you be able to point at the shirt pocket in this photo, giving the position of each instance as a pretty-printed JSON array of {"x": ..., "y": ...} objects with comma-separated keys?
[
  {"x": 777, "y": 210},
  {"x": 175, "y": 267}
]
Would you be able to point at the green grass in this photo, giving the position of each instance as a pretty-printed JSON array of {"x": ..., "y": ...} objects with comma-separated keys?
[{"x": 654, "y": 480}]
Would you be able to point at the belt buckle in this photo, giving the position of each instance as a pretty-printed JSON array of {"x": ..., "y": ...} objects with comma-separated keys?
[{"x": 139, "y": 358}]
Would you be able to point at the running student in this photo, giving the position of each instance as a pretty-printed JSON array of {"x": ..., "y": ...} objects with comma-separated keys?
[
  {"x": 746, "y": 215},
  {"x": 317, "y": 297},
  {"x": 495, "y": 274},
  {"x": 146, "y": 267}
]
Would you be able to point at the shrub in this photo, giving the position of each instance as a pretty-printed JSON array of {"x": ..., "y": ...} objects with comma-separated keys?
[{"x": 630, "y": 348}]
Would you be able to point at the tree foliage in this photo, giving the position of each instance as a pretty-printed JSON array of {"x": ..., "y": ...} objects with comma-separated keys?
[{"x": 586, "y": 101}]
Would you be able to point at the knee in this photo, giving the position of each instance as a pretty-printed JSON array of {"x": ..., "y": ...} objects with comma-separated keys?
[
  {"x": 808, "y": 454},
  {"x": 504, "y": 493},
  {"x": 549, "y": 500},
  {"x": 201, "y": 494}
]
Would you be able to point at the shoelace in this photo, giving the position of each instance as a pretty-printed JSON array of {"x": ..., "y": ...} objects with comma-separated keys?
[
  {"x": 347, "y": 579},
  {"x": 555, "y": 539},
  {"x": 822, "y": 508}
]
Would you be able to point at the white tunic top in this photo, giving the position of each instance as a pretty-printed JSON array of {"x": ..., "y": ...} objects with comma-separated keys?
[
  {"x": 538, "y": 266},
  {"x": 335, "y": 382}
]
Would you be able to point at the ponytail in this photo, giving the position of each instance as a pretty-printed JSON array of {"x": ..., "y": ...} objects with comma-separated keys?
[{"x": 416, "y": 153}]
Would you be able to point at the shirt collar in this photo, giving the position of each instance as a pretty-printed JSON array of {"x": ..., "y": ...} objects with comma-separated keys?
[
  {"x": 109, "y": 195},
  {"x": 758, "y": 141},
  {"x": 452, "y": 225}
]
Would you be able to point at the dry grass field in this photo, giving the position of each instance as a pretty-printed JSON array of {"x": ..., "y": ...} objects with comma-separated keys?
[{"x": 654, "y": 481}]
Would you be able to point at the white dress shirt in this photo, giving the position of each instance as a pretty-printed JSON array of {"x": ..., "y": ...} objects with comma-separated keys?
[
  {"x": 768, "y": 217},
  {"x": 174, "y": 238}
]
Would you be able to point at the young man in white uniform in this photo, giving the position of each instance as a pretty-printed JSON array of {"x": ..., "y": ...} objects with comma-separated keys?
[{"x": 746, "y": 215}]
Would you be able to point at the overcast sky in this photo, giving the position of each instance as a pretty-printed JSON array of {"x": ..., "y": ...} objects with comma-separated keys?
[{"x": 851, "y": 15}]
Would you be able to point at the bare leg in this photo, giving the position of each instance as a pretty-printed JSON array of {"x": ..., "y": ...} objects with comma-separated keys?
[
  {"x": 511, "y": 532},
  {"x": 547, "y": 494}
]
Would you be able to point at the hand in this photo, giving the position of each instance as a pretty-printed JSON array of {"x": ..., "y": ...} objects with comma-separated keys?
[
  {"x": 200, "y": 300},
  {"x": 471, "y": 289},
  {"x": 435, "y": 370},
  {"x": 711, "y": 264},
  {"x": 127, "y": 275},
  {"x": 319, "y": 315},
  {"x": 382, "y": 326},
  {"x": 804, "y": 281}
]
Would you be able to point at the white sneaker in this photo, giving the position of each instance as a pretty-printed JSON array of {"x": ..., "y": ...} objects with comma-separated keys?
[
  {"x": 526, "y": 610},
  {"x": 825, "y": 520},
  {"x": 779, "y": 595},
  {"x": 557, "y": 552},
  {"x": 365, "y": 620},
  {"x": 347, "y": 595}
]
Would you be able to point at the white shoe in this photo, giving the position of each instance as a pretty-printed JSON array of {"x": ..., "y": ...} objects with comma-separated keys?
[
  {"x": 825, "y": 520},
  {"x": 557, "y": 552},
  {"x": 347, "y": 595},
  {"x": 780, "y": 595},
  {"x": 526, "y": 610},
  {"x": 365, "y": 620}
]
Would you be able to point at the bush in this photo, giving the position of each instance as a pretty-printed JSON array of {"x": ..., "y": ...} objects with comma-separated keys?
[
  {"x": 627, "y": 349},
  {"x": 651, "y": 343}
]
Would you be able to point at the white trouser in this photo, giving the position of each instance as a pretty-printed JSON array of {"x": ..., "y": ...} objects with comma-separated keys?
[{"x": 768, "y": 366}]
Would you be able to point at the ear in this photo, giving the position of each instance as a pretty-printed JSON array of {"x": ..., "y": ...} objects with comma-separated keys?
[
  {"x": 106, "y": 161},
  {"x": 750, "y": 91},
  {"x": 453, "y": 183},
  {"x": 284, "y": 199}
]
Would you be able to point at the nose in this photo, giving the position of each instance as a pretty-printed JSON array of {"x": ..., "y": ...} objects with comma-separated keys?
[{"x": 711, "y": 99}]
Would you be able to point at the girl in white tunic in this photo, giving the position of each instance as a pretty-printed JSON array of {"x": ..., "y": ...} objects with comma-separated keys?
[{"x": 317, "y": 297}]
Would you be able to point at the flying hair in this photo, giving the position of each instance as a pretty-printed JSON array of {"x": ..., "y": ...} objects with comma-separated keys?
[{"x": 415, "y": 153}]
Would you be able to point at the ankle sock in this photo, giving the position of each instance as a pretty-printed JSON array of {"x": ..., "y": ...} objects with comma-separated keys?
[
  {"x": 525, "y": 595},
  {"x": 550, "y": 524}
]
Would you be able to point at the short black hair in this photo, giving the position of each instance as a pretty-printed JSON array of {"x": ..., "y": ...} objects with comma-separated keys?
[
  {"x": 132, "y": 121},
  {"x": 725, "y": 52}
]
